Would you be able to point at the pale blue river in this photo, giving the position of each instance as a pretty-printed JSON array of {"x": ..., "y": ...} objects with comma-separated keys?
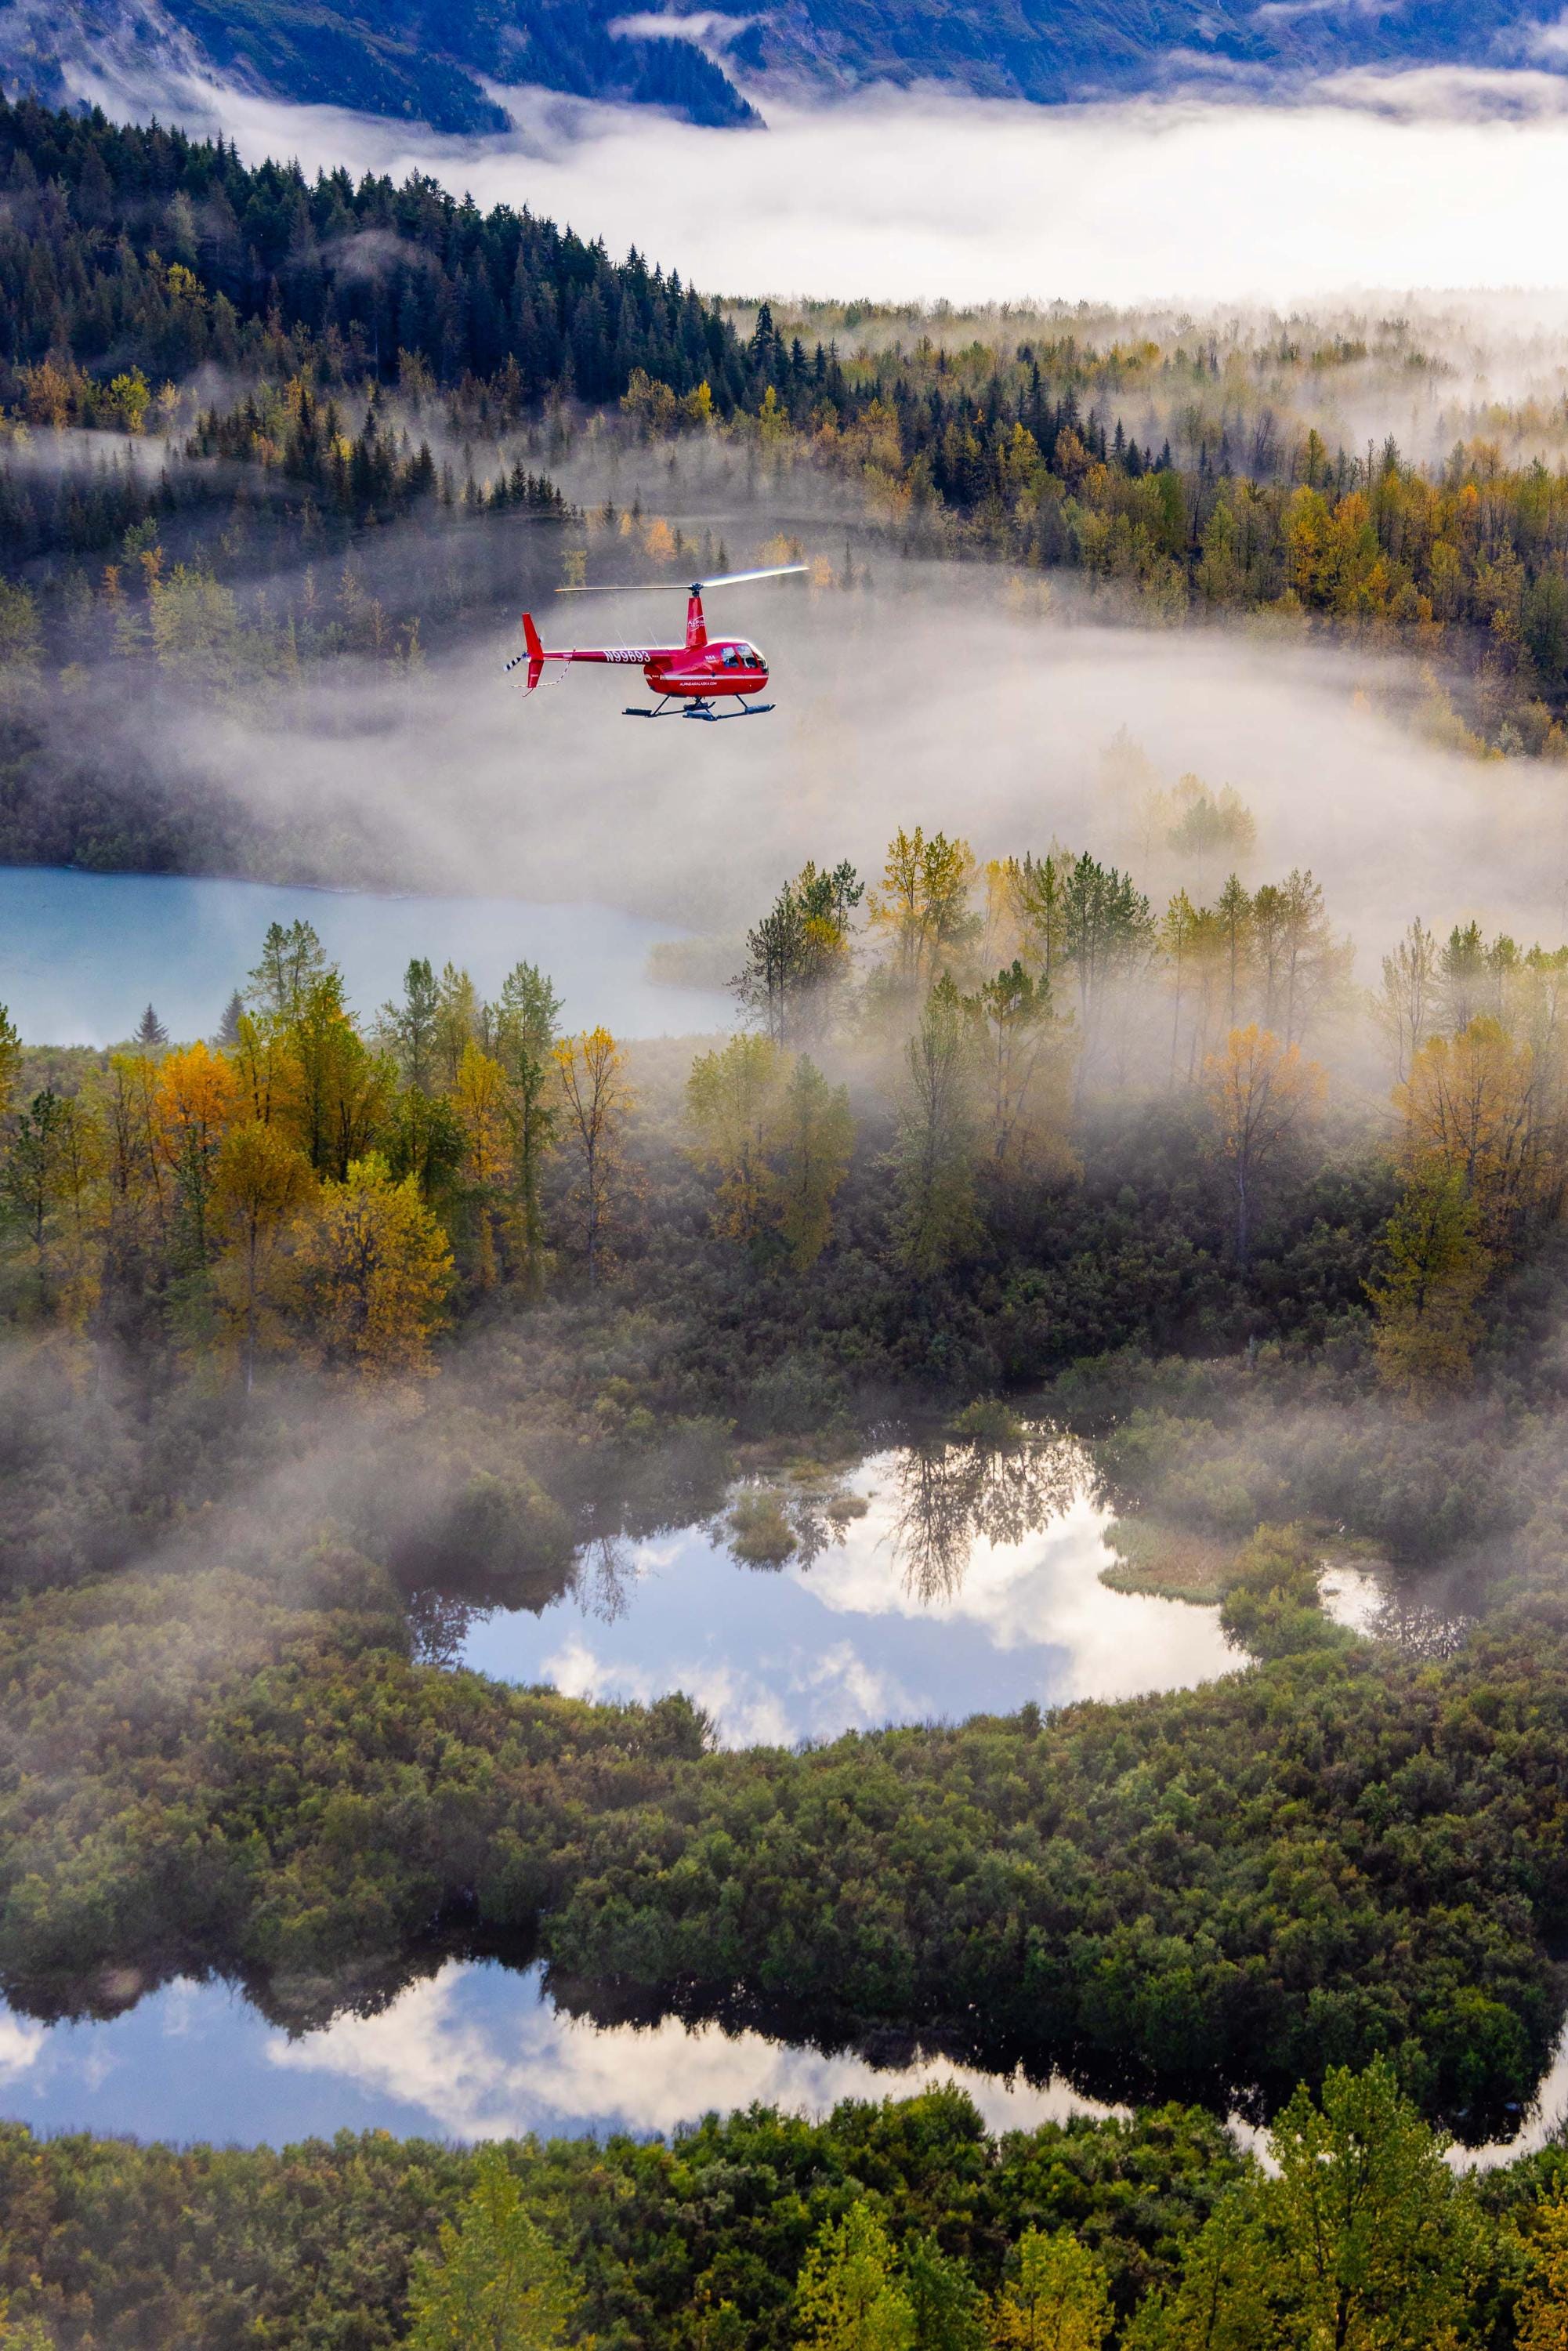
[{"x": 81, "y": 954}]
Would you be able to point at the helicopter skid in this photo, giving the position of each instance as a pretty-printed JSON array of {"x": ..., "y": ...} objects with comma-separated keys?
[{"x": 699, "y": 708}]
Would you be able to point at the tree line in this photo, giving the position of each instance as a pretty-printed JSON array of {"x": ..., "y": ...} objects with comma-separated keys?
[
  {"x": 937, "y": 1047},
  {"x": 128, "y": 244},
  {"x": 899, "y": 2227}
]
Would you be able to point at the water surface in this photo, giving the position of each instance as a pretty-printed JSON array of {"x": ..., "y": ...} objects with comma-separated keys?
[
  {"x": 930, "y": 1581},
  {"x": 474, "y": 2052},
  {"x": 81, "y": 954},
  {"x": 929, "y": 1584}
]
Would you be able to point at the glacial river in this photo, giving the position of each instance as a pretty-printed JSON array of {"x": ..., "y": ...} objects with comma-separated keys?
[{"x": 81, "y": 954}]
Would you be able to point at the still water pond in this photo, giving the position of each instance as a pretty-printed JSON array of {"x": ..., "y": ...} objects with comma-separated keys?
[
  {"x": 80, "y": 954},
  {"x": 926, "y": 1582},
  {"x": 477, "y": 2051}
]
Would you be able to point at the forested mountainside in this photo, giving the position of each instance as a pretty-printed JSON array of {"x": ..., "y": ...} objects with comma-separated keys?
[
  {"x": 1053, "y": 53},
  {"x": 427, "y": 60},
  {"x": 432, "y": 59},
  {"x": 127, "y": 247}
]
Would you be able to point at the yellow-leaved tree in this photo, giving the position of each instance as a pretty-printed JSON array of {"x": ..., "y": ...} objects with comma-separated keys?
[
  {"x": 259, "y": 1181},
  {"x": 375, "y": 1271},
  {"x": 1468, "y": 1110},
  {"x": 1261, "y": 1094},
  {"x": 922, "y": 908},
  {"x": 591, "y": 1070},
  {"x": 481, "y": 1103},
  {"x": 1056, "y": 2298},
  {"x": 197, "y": 1098},
  {"x": 732, "y": 1101},
  {"x": 1541, "y": 2319}
]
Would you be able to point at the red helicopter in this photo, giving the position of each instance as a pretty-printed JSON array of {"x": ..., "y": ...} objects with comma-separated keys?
[{"x": 688, "y": 679}]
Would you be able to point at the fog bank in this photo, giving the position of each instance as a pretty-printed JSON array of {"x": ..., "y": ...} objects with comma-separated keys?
[{"x": 1409, "y": 181}]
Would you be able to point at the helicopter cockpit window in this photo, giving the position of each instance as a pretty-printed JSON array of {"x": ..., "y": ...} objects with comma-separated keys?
[
  {"x": 754, "y": 659},
  {"x": 732, "y": 656}
]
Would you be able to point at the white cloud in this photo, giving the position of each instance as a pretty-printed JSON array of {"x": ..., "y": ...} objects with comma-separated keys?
[
  {"x": 707, "y": 29},
  {"x": 1549, "y": 41},
  {"x": 21, "y": 2044},
  {"x": 543, "y": 2070},
  {"x": 1044, "y": 1588}
]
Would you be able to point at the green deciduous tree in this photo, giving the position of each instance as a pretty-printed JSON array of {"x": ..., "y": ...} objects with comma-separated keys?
[
  {"x": 1023, "y": 1065},
  {"x": 498, "y": 2283},
  {"x": 1376, "y": 2239},
  {"x": 45, "y": 1180},
  {"x": 797, "y": 956},
  {"x": 1055, "y": 2299},
  {"x": 411, "y": 1025},
  {"x": 1434, "y": 1268},
  {"x": 523, "y": 1032},
  {"x": 849, "y": 2296},
  {"x": 814, "y": 1141},
  {"x": 947, "y": 2306},
  {"x": 292, "y": 956},
  {"x": 935, "y": 1154}
]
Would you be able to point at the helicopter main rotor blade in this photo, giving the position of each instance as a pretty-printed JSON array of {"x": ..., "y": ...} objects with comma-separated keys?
[
  {"x": 771, "y": 572},
  {"x": 689, "y": 588}
]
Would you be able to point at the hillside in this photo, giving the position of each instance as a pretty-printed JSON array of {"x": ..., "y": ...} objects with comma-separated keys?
[{"x": 438, "y": 60}]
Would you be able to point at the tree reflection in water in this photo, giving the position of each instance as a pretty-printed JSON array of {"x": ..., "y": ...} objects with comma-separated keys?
[
  {"x": 605, "y": 1577},
  {"x": 1419, "y": 1631},
  {"x": 437, "y": 1627},
  {"x": 950, "y": 1496},
  {"x": 947, "y": 1495}
]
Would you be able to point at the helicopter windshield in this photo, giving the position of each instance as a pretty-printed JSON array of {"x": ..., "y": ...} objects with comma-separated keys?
[{"x": 751, "y": 655}]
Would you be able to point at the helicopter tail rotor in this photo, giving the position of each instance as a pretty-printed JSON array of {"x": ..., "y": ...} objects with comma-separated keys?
[{"x": 534, "y": 656}]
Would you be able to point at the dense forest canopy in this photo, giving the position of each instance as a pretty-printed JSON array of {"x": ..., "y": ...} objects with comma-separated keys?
[{"x": 901, "y": 2224}]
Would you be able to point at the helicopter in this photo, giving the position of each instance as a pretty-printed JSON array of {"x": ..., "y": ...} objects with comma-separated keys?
[{"x": 689, "y": 679}]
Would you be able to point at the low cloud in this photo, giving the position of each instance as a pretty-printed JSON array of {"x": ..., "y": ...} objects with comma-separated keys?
[{"x": 1436, "y": 179}]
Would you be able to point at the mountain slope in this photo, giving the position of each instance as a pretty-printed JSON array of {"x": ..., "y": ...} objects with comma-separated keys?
[
  {"x": 1053, "y": 50},
  {"x": 429, "y": 60},
  {"x": 426, "y": 61}
]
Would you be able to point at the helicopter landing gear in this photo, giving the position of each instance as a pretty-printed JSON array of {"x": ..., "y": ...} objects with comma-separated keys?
[{"x": 699, "y": 708}]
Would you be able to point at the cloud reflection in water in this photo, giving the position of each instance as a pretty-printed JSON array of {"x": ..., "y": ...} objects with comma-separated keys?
[
  {"x": 474, "y": 2052},
  {"x": 970, "y": 1584}
]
